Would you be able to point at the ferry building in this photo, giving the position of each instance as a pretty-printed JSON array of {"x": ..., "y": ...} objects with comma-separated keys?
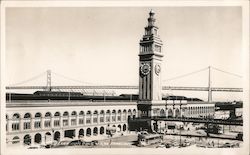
[{"x": 30, "y": 121}]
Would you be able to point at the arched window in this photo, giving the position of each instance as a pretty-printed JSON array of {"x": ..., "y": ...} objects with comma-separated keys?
[
  {"x": 129, "y": 113},
  {"x": 119, "y": 128},
  {"x": 102, "y": 130},
  {"x": 88, "y": 132},
  {"x": 73, "y": 113},
  {"x": 27, "y": 139},
  {"x": 57, "y": 114},
  {"x": 108, "y": 116},
  {"x": 38, "y": 138},
  {"x": 16, "y": 116},
  {"x": 88, "y": 117},
  {"x": 15, "y": 122},
  {"x": 102, "y": 116},
  {"x": 57, "y": 119},
  {"x": 27, "y": 121},
  {"x": 66, "y": 114},
  {"x": 95, "y": 115},
  {"x": 73, "y": 118},
  {"x": 38, "y": 115},
  {"x": 47, "y": 120},
  {"x": 57, "y": 136},
  {"x": 81, "y": 133},
  {"x": 170, "y": 113},
  {"x": 134, "y": 113},
  {"x": 95, "y": 132},
  {"x": 113, "y": 116},
  {"x": 119, "y": 115},
  {"x": 124, "y": 127},
  {"x": 15, "y": 140},
  {"x": 81, "y": 117},
  {"x": 162, "y": 113},
  {"x": 124, "y": 115},
  {"x": 177, "y": 113},
  {"x": 65, "y": 118},
  {"x": 37, "y": 123}
]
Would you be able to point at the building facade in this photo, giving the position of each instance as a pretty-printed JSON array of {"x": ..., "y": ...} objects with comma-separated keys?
[{"x": 29, "y": 122}]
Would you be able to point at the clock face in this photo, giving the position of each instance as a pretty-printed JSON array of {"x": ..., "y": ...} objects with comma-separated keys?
[
  {"x": 157, "y": 69},
  {"x": 145, "y": 69}
]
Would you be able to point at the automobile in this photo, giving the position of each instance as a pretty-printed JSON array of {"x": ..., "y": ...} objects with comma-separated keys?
[
  {"x": 91, "y": 143},
  {"x": 94, "y": 142},
  {"x": 34, "y": 146},
  {"x": 183, "y": 145},
  {"x": 201, "y": 145},
  {"x": 187, "y": 143},
  {"x": 144, "y": 132},
  {"x": 75, "y": 142},
  {"x": 48, "y": 146},
  {"x": 227, "y": 145},
  {"x": 162, "y": 145},
  {"x": 167, "y": 145},
  {"x": 62, "y": 144}
]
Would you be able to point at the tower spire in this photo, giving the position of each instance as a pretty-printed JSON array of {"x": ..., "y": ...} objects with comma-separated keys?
[{"x": 151, "y": 19}]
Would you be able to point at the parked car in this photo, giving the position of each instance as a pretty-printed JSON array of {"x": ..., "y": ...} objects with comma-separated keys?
[
  {"x": 167, "y": 145},
  {"x": 75, "y": 142},
  {"x": 162, "y": 145},
  {"x": 90, "y": 143},
  {"x": 226, "y": 145},
  {"x": 35, "y": 146},
  {"x": 62, "y": 144}
]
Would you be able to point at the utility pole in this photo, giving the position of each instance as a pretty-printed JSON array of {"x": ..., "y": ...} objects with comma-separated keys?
[{"x": 209, "y": 85}]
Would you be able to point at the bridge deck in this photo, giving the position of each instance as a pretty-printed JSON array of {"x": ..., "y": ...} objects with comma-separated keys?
[{"x": 128, "y": 87}]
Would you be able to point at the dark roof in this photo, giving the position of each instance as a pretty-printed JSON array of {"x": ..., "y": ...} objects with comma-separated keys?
[{"x": 56, "y": 95}]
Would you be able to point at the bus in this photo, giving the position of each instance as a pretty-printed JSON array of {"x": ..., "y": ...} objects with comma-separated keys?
[{"x": 145, "y": 139}]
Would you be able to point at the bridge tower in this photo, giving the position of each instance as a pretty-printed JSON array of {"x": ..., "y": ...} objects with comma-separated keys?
[
  {"x": 48, "y": 87},
  {"x": 209, "y": 85},
  {"x": 150, "y": 61}
]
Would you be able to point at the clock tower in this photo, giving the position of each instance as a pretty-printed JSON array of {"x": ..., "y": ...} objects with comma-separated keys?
[{"x": 150, "y": 65}]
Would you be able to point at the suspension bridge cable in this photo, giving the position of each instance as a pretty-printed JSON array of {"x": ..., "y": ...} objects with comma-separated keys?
[
  {"x": 227, "y": 72},
  {"x": 68, "y": 78},
  {"x": 187, "y": 74},
  {"x": 28, "y": 80}
]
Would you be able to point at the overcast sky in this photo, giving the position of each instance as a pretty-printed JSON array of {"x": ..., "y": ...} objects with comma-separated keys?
[{"x": 101, "y": 45}]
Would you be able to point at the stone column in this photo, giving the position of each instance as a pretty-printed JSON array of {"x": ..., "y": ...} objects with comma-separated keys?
[
  {"x": 61, "y": 121},
  {"x": 9, "y": 124},
  {"x": 77, "y": 120},
  {"x": 84, "y": 119},
  {"x": 42, "y": 123},
  {"x": 52, "y": 122},
  {"x": 21, "y": 124},
  {"x": 98, "y": 118},
  {"x": 32, "y": 124}
]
